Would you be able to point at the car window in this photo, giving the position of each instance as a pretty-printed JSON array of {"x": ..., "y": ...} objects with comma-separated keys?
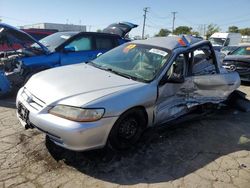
[
  {"x": 242, "y": 51},
  {"x": 104, "y": 43},
  {"x": 177, "y": 67},
  {"x": 81, "y": 44},
  {"x": 202, "y": 62},
  {"x": 55, "y": 40},
  {"x": 217, "y": 41}
]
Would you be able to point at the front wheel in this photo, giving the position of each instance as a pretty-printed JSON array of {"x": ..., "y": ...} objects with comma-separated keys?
[{"x": 127, "y": 129}]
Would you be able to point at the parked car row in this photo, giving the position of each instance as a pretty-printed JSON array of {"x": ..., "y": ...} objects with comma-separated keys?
[
  {"x": 115, "y": 97},
  {"x": 59, "y": 49}
]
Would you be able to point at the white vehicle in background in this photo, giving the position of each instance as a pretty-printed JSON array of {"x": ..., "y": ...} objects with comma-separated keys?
[
  {"x": 220, "y": 40},
  {"x": 245, "y": 39}
]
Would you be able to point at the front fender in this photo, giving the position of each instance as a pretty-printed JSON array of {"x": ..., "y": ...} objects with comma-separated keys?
[{"x": 121, "y": 101}]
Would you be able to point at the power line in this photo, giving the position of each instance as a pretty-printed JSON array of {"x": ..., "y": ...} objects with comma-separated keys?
[
  {"x": 234, "y": 22},
  {"x": 233, "y": 18},
  {"x": 144, "y": 20},
  {"x": 157, "y": 16}
]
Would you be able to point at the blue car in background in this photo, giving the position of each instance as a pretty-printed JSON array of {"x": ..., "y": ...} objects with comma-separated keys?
[{"x": 58, "y": 49}]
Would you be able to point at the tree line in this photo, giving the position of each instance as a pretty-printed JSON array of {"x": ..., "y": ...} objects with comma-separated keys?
[{"x": 209, "y": 30}]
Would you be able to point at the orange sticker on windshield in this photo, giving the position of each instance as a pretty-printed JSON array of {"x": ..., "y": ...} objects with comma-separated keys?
[
  {"x": 248, "y": 48},
  {"x": 129, "y": 47}
]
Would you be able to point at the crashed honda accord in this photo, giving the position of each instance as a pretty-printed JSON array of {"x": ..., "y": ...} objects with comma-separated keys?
[{"x": 114, "y": 98}]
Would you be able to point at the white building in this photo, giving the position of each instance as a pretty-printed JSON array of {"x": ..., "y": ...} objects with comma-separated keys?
[{"x": 59, "y": 27}]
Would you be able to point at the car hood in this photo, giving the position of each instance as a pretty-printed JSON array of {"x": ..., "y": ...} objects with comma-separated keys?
[
  {"x": 76, "y": 85},
  {"x": 121, "y": 28},
  {"x": 10, "y": 35}
]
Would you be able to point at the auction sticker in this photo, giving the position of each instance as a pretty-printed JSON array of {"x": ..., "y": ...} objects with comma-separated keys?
[{"x": 159, "y": 52}]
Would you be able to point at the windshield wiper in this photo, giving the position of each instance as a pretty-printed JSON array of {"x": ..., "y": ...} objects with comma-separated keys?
[
  {"x": 122, "y": 74},
  {"x": 96, "y": 65},
  {"x": 112, "y": 70},
  {"x": 119, "y": 73},
  {"x": 115, "y": 72}
]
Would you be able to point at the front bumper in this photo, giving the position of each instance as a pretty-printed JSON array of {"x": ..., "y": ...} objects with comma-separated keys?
[{"x": 65, "y": 133}]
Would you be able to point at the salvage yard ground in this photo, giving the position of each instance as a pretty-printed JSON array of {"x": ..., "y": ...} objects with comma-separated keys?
[{"x": 213, "y": 151}]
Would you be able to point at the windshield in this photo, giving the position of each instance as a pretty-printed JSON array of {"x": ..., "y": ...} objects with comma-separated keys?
[
  {"x": 217, "y": 41},
  {"x": 139, "y": 62},
  {"x": 244, "y": 50},
  {"x": 54, "y": 40}
]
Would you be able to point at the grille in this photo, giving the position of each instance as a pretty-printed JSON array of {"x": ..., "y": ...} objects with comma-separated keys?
[{"x": 32, "y": 100}]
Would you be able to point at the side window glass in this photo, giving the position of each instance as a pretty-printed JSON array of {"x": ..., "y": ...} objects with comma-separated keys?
[
  {"x": 227, "y": 42},
  {"x": 81, "y": 44},
  {"x": 177, "y": 67},
  {"x": 202, "y": 62},
  {"x": 242, "y": 51},
  {"x": 103, "y": 43}
]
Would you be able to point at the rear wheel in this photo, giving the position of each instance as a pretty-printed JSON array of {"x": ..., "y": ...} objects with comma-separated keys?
[{"x": 127, "y": 130}]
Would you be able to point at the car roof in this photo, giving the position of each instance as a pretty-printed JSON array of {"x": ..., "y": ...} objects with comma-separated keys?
[
  {"x": 98, "y": 34},
  {"x": 68, "y": 32},
  {"x": 170, "y": 42}
]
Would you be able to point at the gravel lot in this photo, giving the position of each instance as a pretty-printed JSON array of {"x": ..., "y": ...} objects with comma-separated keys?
[{"x": 213, "y": 151}]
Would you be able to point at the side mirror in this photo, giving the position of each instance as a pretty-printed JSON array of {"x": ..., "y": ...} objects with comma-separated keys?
[
  {"x": 173, "y": 78},
  {"x": 99, "y": 54},
  {"x": 69, "y": 49}
]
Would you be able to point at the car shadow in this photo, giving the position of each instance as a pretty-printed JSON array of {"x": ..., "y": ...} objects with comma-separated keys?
[
  {"x": 8, "y": 102},
  {"x": 244, "y": 83},
  {"x": 164, "y": 154}
]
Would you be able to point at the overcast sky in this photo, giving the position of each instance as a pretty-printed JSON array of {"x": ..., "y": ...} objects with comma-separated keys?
[{"x": 97, "y": 14}]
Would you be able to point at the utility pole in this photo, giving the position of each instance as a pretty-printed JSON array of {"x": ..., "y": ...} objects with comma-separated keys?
[
  {"x": 204, "y": 30},
  {"x": 174, "y": 13},
  {"x": 144, "y": 21}
]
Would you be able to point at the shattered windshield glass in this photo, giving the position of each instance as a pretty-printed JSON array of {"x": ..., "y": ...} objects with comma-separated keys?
[{"x": 134, "y": 61}]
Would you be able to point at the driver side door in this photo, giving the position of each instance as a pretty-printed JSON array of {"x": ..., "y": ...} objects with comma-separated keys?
[{"x": 173, "y": 92}]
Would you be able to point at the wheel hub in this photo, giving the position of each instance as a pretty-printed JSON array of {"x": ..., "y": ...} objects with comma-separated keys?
[{"x": 128, "y": 129}]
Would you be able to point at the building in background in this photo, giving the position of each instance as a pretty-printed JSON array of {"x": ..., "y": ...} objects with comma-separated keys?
[
  {"x": 56, "y": 26},
  {"x": 39, "y": 33}
]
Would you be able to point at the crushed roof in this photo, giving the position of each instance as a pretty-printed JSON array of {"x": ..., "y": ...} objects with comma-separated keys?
[{"x": 170, "y": 42}]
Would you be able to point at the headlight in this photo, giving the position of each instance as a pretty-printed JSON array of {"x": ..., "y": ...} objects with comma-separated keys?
[{"x": 76, "y": 113}]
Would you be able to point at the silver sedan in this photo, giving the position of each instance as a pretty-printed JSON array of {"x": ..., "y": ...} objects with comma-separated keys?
[{"x": 117, "y": 96}]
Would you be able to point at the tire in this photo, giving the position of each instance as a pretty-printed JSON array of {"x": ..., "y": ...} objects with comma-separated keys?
[{"x": 127, "y": 130}]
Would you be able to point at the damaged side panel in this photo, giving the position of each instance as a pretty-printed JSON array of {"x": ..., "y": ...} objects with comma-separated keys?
[
  {"x": 214, "y": 88},
  {"x": 176, "y": 100}
]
